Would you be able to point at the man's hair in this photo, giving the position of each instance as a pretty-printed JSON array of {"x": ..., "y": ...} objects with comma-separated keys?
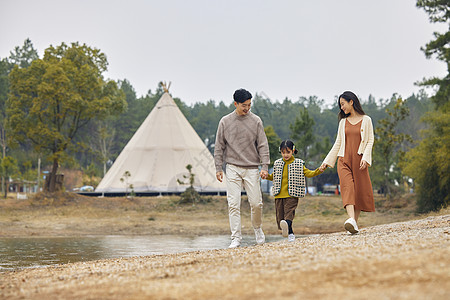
[{"x": 241, "y": 95}]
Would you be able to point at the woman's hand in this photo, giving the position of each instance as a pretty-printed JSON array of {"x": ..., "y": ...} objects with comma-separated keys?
[
  {"x": 263, "y": 174},
  {"x": 362, "y": 165},
  {"x": 323, "y": 167}
]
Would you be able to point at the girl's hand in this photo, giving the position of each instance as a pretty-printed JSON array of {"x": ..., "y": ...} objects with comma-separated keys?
[
  {"x": 362, "y": 165},
  {"x": 323, "y": 167}
]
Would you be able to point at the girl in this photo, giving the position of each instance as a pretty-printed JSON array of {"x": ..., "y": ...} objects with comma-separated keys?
[
  {"x": 288, "y": 185},
  {"x": 353, "y": 146}
]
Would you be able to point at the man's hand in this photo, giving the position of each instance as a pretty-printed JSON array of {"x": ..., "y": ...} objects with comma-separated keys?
[
  {"x": 264, "y": 174},
  {"x": 219, "y": 176}
]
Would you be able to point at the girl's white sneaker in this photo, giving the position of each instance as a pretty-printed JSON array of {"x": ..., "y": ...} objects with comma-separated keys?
[
  {"x": 284, "y": 228},
  {"x": 291, "y": 237}
]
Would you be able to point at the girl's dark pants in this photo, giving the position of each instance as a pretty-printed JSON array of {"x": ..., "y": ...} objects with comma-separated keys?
[{"x": 285, "y": 210}]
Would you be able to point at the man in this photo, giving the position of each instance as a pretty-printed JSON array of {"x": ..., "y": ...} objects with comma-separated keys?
[{"x": 242, "y": 144}]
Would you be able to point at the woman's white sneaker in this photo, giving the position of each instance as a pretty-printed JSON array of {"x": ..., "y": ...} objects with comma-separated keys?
[
  {"x": 291, "y": 237},
  {"x": 351, "y": 226},
  {"x": 284, "y": 228}
]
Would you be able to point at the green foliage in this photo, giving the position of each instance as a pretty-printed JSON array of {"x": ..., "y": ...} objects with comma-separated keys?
[
  {"x": 438, "y": 12},
  {"x": 57, "y": 95},
  {"x": 274, "y": 143},
  {"x": 5, "y": 67},
  {"x": 387, "y": 148},
  {"x": 277, "y": 114},
  {"x": 9, "y": 168},
  {"x": 428, "y": 163},
  {"x": 190, "y": 195},
  {"x": 126, "y": 124},
  {"x": 23, "y": 56},
  {"x": 302, "y": 133},
  {"x": 191, "y": 176},
  {"x": 90, "y": 175},
  {"x": 124, "y": 179},
  {"x": 436, "y": 9}
]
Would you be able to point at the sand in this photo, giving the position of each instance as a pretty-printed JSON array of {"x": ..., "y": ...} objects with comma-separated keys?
[{"x": 403, "y": 260}]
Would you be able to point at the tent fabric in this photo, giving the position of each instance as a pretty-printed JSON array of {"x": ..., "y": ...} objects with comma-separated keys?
[{"x": 158, "y": 153}]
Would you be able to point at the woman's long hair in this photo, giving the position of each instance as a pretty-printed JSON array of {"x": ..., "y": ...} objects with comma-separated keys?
[{"x": 347, "y": 95}]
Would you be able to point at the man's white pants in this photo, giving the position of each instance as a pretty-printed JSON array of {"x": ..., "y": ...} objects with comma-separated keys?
[{"x": 235, "y": 177}]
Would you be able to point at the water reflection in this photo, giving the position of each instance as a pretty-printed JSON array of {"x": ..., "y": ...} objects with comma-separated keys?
[{"x": 17, "y": 253}]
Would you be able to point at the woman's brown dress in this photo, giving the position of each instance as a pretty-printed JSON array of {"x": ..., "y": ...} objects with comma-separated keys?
[{"x": 356, "y": 188}]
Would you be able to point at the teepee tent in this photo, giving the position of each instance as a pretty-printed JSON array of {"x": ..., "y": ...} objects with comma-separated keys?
[{"x": 157, "y": 155}]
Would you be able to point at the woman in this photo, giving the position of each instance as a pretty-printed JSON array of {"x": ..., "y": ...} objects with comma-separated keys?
[{"x": 353, "y": 146}]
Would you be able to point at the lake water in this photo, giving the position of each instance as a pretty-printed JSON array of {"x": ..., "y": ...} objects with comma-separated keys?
[{"x": 18, "y": 253}]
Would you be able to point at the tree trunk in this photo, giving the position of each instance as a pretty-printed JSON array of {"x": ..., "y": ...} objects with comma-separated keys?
[
  {"x": 4, "y": 191},
  {"x": 52, "y": 179},
  {"x": 5, "y": 188}
]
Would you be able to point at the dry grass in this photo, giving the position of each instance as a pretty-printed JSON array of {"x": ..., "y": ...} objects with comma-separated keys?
[{"x": 70, "y": 214}]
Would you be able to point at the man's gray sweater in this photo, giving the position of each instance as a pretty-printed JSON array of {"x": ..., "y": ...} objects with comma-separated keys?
[{"x": 241, "y": 141}]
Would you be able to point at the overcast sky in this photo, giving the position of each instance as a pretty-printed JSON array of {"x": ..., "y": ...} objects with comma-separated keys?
[{"x": 209, "y": 48}]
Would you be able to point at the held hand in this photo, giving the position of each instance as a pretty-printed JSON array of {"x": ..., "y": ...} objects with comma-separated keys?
[
  {"x": 264, "y": 174},
  {"x": 362, "y": 165},
  {"x": 219, "y": 176},
  {"x": 323, "y": 167}
]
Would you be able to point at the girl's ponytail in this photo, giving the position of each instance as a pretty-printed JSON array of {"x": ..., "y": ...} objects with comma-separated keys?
[{"x": 287, "y": 144}]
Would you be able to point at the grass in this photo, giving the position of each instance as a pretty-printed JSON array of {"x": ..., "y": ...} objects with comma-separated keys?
[{"x": 82, "y": 215}]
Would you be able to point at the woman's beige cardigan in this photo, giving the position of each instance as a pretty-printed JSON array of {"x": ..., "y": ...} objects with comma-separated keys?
[{"x": 365, "y": 147}]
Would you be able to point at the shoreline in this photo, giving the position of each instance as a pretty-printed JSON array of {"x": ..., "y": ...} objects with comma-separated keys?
[
  {"x": 74, "y": 215},
  {"x": 401, "y": 260}
]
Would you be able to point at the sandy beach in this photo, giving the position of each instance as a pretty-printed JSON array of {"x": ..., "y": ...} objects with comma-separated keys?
[{"x": 400, "y": 260}]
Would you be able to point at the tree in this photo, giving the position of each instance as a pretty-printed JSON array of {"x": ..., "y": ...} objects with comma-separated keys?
[
  {"x": 387, "y": 147},
  {"x": 205, "y": 115},
  {"x": 190, "y": 194},
  {"x": 428, "y": 163},
  {"x": 438, "y": 12},
  {"x": 104, "y": 140},
  {"x": 56, "y": 96},
  {"x": 274, "y": 143},
  {"x": 126, "y": 124},
  {"x": 9, "y": 168},
  {"x": 124, "y": 179},
  {"x": 302, "y": 133},
  {"x": 22, "y": 57}
]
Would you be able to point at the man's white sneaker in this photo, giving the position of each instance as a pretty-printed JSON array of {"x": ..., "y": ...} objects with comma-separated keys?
[
  {"x": 284, "y": 228},
  {"x": 235, "y": 243},
  {"x": 260, "y": 237},
  {"x": 291, "y": 237},
  {"x": 350, "y": 226}
]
